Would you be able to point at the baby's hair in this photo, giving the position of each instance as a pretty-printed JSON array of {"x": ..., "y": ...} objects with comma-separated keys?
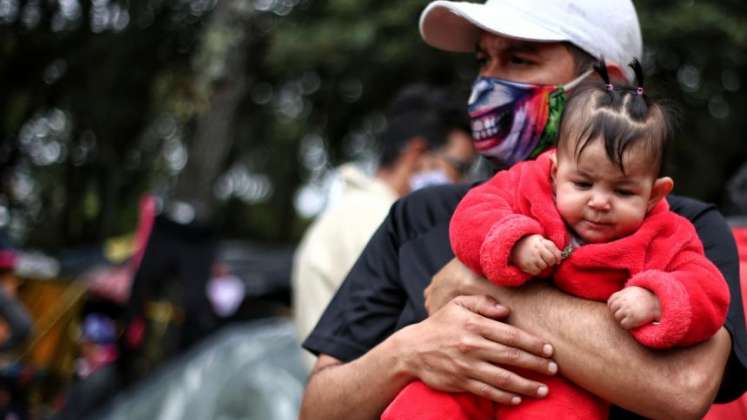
[{"x": 623, "y": 115}]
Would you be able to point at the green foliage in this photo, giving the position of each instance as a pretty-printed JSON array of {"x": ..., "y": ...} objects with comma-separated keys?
[
  {"x": 697, "y": 58},
  {"x": 131, "y": 90}
]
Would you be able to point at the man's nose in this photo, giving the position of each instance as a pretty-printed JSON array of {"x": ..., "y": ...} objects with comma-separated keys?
[
  {"x": 599, "y": 201},
  {"x": 493, "y": 68}
]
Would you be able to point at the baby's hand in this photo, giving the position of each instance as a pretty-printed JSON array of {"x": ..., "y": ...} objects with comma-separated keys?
[
  {"x": 634, "y": 306},
  {"x": 533, "y": 254}
]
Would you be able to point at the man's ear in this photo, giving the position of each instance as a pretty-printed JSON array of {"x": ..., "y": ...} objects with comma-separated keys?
[
  {"x": 615, "y": 72},
  {"x": 662, "y": 187}
]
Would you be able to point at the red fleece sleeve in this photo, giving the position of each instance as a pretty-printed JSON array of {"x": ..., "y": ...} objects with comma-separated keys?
[
  {"x": 693, "y": 296},
  {"x": 495, "y": 252},
  {"x": 485, "y": 227}
]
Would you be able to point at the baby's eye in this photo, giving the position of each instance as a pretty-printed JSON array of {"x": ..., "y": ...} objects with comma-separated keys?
[
  {"x": 583, "y": 185},
  {"x": 624, "y": 192}
]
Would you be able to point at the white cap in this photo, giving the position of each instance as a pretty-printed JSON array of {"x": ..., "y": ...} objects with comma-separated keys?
[{"x": 603, "y": 28}]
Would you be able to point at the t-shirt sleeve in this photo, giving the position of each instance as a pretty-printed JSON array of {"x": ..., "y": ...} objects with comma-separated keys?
[
  {"x": 365, "y": 308},
  {"x": 721, "y": 249},
  {"x": 372, "y": 299}
]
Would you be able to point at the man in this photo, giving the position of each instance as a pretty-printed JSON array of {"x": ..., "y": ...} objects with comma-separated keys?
[
  {"x": 374, "y": 338},
  {"x": 425, "y": 142}
]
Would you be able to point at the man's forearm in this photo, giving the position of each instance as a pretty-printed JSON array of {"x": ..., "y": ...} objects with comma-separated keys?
[
  {"x": 360, "y": 389},
  {"x": 463, "y": 347},
  {"x": 598, "y": 355}
]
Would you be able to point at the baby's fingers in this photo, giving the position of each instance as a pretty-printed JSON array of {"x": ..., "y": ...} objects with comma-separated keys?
[
  {"x": 550, "y": 253},
  {"x": 551, "y": 246},
  {"x": 530, "y": 268},
  {"x": 547, "y": 257},
  {"x": 540, "y": 265},
  {"x": 537, "y": 266},
  {"x": 627, "y": 322}
]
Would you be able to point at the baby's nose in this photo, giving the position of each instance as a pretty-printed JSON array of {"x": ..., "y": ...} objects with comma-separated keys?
[{"x": 600, "y": 202}]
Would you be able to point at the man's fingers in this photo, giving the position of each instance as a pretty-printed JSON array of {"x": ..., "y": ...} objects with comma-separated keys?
[
  {"x": 511, "y": 336},
  {"x": 490, "y": 392},
  {"x": 452, "y": 280},
  {"x": 483, "y": 305},
  {"x": 515, "y": 357},
  {"x": 507, "y": 381}
]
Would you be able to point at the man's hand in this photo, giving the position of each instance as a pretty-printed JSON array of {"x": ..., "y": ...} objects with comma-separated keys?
[
  {"x": 453, "y": 280},
  {"x": 634, "y": 306},
  {"x": 534, "y": 254},
  {"x": 462, "y": 348}
]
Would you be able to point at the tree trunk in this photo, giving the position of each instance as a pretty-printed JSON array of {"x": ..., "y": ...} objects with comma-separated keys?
[{"x": 224, "y": 47}]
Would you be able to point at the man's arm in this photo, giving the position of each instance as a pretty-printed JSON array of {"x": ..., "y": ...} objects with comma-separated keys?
[
  {"x": 676, "y": 384},
  {"x": 608, "y": 362},
  {"x": 457, "y": 349}
]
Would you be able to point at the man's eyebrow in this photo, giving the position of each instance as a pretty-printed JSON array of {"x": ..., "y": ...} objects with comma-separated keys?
[
  {"x": 522, "y": 47},
  {"x": 513, "y": 48}
]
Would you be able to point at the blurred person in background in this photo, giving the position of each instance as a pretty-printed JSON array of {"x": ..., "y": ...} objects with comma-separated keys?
[
  {"x": 15, "y": 322},
  {"x": 425, "y": 143},
  {"x": 407, "y": 310},
  {"x": 15, "y": 326}
]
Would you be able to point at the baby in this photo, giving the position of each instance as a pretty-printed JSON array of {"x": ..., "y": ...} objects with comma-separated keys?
[{"x": 591, "y": 215}]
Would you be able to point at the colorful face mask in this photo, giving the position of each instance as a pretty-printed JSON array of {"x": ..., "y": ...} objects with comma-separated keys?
[{"x": 514, "y": 121}]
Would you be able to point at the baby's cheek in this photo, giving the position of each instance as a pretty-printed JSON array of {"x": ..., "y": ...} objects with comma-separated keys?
[
  {"x": 631, "y": 220},
  {"x": 568, "y": 209}
]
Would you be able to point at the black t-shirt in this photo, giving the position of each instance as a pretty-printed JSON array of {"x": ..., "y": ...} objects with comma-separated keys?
[{"x": 384, "y": 290}]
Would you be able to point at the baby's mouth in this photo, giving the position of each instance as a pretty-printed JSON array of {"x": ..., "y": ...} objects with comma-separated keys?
[{"x": 598, "y": 224}]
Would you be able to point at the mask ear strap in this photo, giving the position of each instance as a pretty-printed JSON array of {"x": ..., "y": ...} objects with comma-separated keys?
[{"x": 573, "y": 83}]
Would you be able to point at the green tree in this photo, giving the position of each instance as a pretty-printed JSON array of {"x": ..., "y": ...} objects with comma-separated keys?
[{"x": 236, "y": 104}]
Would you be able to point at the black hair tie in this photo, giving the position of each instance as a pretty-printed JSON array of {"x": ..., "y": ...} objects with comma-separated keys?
[
  {"x": 638, "y": 70},
  {"x": 601, "y": 68}
]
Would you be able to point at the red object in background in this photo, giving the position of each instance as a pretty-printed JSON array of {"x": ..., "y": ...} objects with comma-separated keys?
[
  {"x": 736, "y": 409},
  {"x": 740, "y": 234},
  {"x": 146, "y": 219},
  {"x": 135, "y": 333}
]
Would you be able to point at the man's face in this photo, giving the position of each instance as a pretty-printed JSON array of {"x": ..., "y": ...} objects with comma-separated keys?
[{"x": 524, "y": 61}]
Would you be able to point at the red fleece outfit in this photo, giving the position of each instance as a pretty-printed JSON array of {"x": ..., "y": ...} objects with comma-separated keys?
[{"x": 663, "y": 256}]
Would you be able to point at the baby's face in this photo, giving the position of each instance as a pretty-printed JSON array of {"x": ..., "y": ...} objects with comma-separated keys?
[{"x": 596, "y": 199}]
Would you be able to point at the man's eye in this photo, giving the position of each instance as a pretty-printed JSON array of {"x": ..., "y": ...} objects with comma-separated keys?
[
  {"x": 481, "y": 60},
  {"x": 519, "y": 60}
]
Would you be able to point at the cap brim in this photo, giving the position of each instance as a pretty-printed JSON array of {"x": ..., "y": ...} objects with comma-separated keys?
[{"x": 456, "y": 26}]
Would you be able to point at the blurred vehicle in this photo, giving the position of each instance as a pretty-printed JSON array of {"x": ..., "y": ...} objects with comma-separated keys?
[{"x": 250, "y": 371}]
